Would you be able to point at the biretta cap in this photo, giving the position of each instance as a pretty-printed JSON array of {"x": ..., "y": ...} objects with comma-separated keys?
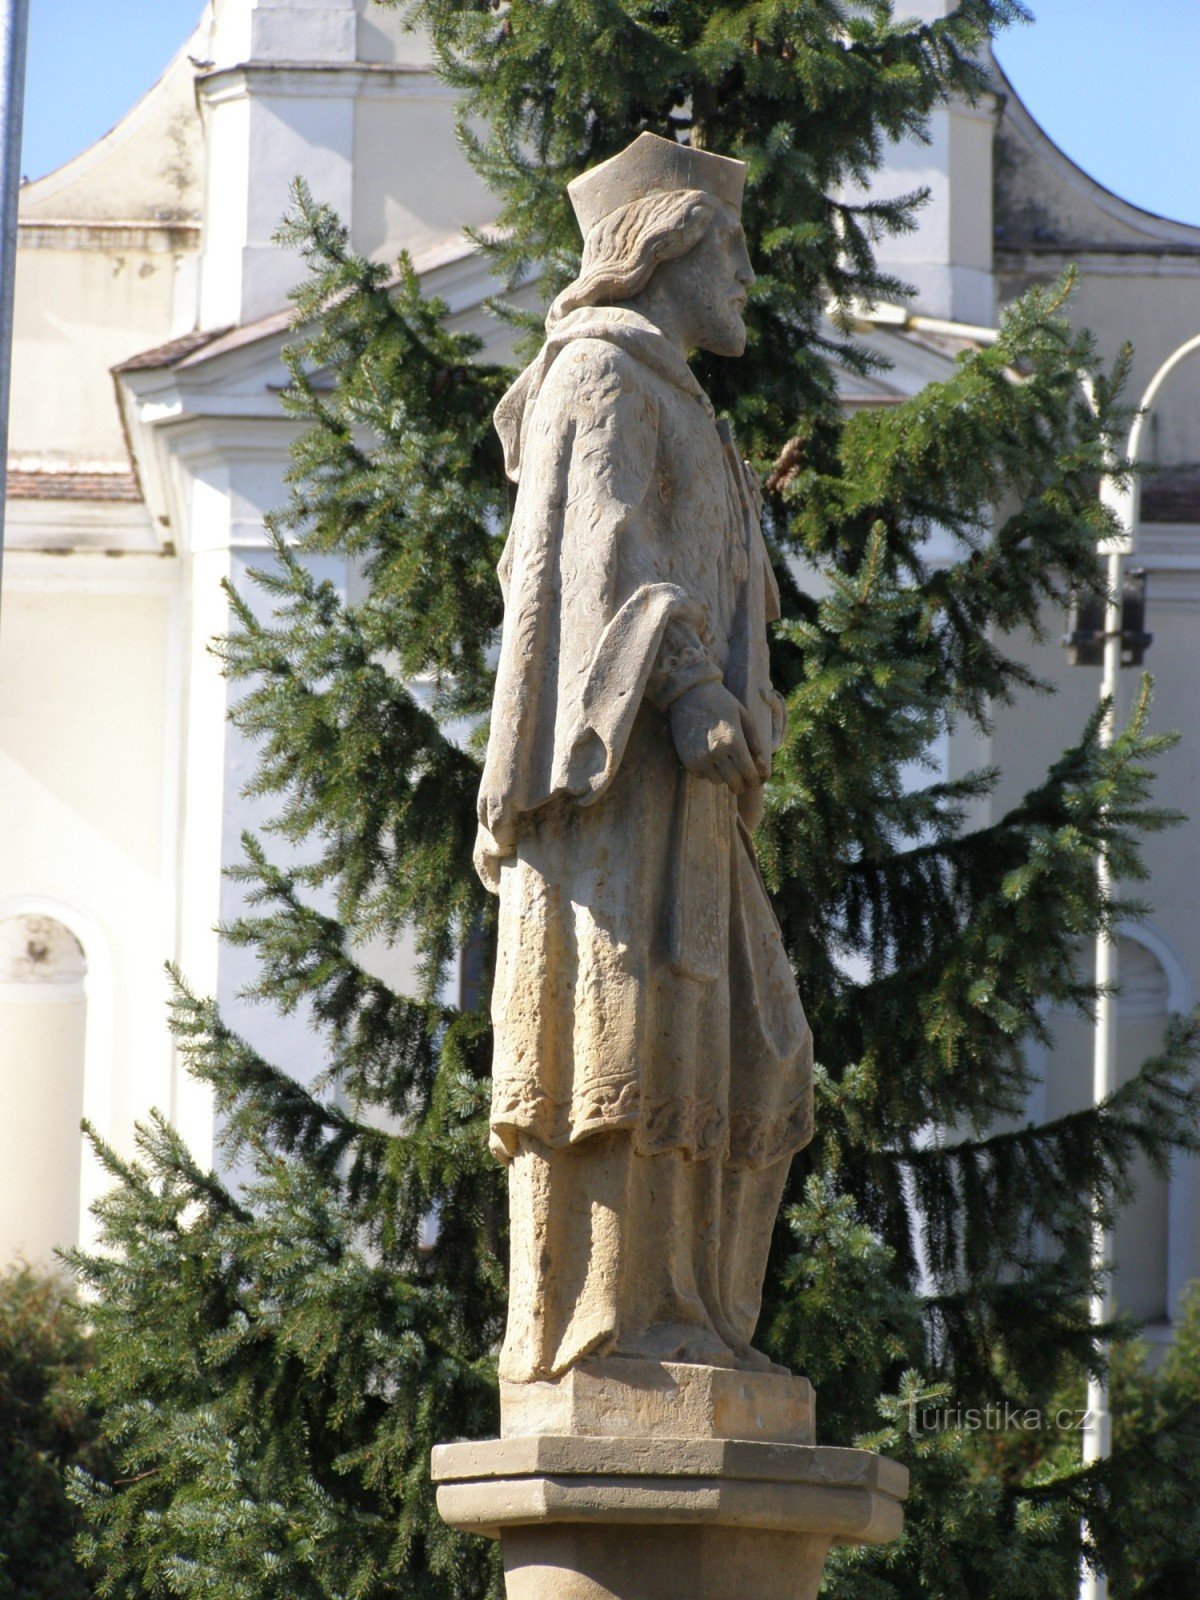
[{"x": 648, "y": 164}]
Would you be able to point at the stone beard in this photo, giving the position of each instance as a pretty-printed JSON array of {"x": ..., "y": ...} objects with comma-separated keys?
[{"x": 653, "y": 1067}]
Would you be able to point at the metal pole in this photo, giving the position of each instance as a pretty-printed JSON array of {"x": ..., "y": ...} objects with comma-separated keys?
[
  {"x": 14, "y": 34},
  {"x": 1125, "y": 503},
  {"x": 1097, "y": 1440}
]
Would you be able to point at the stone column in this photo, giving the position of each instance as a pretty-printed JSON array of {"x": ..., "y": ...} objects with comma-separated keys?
[{"x": 640, "y": 1480}]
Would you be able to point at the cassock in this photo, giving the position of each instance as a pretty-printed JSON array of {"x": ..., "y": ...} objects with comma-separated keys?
[{"x": 653, "y": 1068}]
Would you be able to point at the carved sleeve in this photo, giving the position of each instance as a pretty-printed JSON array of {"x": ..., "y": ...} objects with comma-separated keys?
[
  {"x": 682, "y": 664},
  {"x": 586, "y": 609}
]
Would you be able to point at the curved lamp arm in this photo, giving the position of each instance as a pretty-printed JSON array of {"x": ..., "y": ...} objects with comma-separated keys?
[{"x": 1125, "y": 500}]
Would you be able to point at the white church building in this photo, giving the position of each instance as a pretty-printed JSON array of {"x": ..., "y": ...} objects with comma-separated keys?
[{"x": 148, "y": 444}]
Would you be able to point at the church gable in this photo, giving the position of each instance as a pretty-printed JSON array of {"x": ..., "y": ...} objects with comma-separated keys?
[{"x": 1044, "y": 202}]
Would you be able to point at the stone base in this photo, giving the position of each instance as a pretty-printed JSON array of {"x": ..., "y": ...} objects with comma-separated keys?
[
  {"x": 635, "y": 1480},
  {"x": 617, "y": 1398},
  {"x": 666, "y": 1519}
]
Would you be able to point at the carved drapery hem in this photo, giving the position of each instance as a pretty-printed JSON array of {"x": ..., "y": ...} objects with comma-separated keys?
[{"x": 697, "y": 1127}]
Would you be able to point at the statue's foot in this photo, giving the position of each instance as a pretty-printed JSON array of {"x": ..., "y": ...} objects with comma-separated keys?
[
  {"x": 748, "y": 1359},
  {"x": 745, "y": 1357},
  {"x": 677, "y": 1341}
]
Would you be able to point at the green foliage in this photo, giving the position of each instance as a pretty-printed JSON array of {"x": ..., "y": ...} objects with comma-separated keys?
[
  {"x": 1142, "y": 1506},
  {"x": 280, "y": 1357},
  {"x": 1145, "y": 1503},
  {"x": 398, "y": 468},
  {"x": 968, "y": 1533},
  {"x": 45, "y": 1430},
  {"x": 806, "y": 92}
]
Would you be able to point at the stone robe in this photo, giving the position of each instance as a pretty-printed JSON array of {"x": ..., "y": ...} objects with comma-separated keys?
[{"x": 652, "y": 1072}]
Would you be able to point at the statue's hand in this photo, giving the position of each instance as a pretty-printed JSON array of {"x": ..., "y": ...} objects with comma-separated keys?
[{"x": 714, "y": 738}]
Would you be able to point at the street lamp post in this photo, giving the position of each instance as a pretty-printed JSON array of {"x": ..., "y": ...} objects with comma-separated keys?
[
  {"x": 1124, "y": 500},
  {"x": 1097, "y": 1440}
]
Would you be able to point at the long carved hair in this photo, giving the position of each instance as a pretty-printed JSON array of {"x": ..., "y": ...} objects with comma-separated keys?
[{"x": 623, "y": 249}]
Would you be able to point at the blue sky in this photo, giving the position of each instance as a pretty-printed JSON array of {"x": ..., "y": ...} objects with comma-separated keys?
[{"x": 1114, "y": 82}]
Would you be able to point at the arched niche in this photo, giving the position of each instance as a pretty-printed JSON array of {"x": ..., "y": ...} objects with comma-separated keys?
[{"x": 43, "y": 1056}]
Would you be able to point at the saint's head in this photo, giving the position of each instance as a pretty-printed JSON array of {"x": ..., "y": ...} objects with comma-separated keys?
[{"x": 662, "y": 232}]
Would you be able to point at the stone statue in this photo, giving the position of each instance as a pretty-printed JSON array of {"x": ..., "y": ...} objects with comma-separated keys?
[
  {"x": 652, "y": 1074},
  {"x": 653, "y": 1069}
]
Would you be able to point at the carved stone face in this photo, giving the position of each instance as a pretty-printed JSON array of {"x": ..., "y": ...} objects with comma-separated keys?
[{"x": 709, "y": 285}]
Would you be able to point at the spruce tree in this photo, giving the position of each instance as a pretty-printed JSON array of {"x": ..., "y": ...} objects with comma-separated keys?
[
  {"x": 279, "y": 1357},
  {"x": 43, "y": 1431}
]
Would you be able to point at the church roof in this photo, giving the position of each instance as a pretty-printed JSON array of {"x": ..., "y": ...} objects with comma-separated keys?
[
  {"x": 105, "y": 487},
  {"x": 207, "y": 344},
  {"x": 1046, "y": 204},
  {"x": 172, "y": 352}
]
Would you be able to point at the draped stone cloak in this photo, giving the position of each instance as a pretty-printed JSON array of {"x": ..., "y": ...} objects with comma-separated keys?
[{"x": 641, "y": 980}]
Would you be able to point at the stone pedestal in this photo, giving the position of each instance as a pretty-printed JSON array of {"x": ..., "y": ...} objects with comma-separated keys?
[
  {"x": 635, "y": 1481},
  {"x": 619, "y": 1398}
]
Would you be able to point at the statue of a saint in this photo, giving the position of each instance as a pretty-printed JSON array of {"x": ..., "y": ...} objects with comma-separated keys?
[{"x": 652, "y": 1074}]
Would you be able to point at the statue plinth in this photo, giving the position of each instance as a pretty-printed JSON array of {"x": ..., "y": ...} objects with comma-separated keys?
[
  {"x": 617, "y": 1398},
  {"x": 668, "y": 1503}
]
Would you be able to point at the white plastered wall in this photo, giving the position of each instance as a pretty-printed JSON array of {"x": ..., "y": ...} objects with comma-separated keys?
[
  {"x": 946, "y": 258},
  {"x": 85, "y": 300},
  {"x": 86, "y": 719},
  {"x": 1155, "y": 310},
  {"x": 342, "y": 94},
  {"x": 106, "y": 247},
  {"x": 43, "y": 1068}
]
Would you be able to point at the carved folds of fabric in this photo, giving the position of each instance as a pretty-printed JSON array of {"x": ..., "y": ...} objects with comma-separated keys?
[{"x": 697, "y": 1126}]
